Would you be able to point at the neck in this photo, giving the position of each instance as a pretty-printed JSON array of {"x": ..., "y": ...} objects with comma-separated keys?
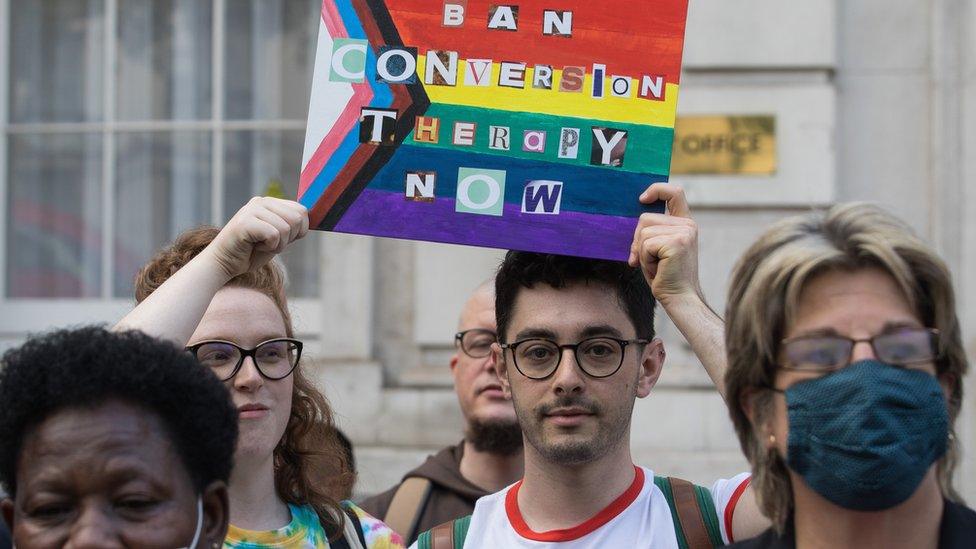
[
  {"x": 254, "y": 501},
  {"x": 912, "y": 524},
  {"x": 555, "y": 496},
  {"x": 490, "y": 472}
]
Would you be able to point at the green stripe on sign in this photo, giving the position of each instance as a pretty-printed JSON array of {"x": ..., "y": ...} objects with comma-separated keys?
[{"x": 648, "y": 148}]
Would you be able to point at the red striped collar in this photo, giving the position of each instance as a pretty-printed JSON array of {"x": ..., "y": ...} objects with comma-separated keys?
[{"x": 607, "y": 514}]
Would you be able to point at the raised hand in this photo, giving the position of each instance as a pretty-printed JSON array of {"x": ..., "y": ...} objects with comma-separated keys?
[
  {"x": 665, "y": 246},
  {"x": 263, "y": 228}
]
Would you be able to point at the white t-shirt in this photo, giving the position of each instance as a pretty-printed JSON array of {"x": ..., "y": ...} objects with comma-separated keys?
[{"x": 639, "y": 518}]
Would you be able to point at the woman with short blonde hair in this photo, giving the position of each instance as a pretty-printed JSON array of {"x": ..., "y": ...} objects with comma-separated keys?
[{"x": 845, "y": 381}]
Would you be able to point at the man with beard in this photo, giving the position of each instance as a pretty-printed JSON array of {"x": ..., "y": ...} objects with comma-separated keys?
[
  {"x": 489, "y": 458},
  {"x": 576, "y": 346}
]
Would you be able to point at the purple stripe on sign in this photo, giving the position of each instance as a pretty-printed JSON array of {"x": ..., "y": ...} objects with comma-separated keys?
[{"x": 383, "y": 213}]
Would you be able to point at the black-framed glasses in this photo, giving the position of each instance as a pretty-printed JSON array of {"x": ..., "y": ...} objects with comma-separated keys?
[
  {"x": 476, "y": 342},
  {"x": 598, "y": 357},
  {"x": 275, "y": 359},
  {"x": 824, "y": 353}
]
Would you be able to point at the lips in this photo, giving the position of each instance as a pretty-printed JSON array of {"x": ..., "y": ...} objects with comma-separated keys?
[
  {"x": 492, "y": 390},
  {"x": 252, "y": 411},
  {"x": 568, "y": 417}
]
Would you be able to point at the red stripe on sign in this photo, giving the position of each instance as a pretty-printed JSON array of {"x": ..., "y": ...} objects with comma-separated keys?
[{"x": 631, "y": 39}]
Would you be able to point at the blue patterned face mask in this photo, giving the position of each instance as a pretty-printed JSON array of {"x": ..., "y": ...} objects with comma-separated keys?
[{"x": 864, "y": 436}]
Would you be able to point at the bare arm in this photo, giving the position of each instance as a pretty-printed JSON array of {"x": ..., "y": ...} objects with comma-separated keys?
[
  {"x": 261, "y": 229},
  {"x": 666, "y": 248}
]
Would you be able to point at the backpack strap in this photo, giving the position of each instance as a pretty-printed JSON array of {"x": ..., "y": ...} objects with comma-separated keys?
[
  {"x": 693, "y": 512},
  {"x": 450, "y": 535},
  {"x": 409, "y": 500},
  {"x": 352, "y": 532}
]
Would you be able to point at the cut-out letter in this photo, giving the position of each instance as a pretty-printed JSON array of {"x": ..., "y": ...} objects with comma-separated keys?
[
  {"x": 377, "y": 126},
  {"x": 477, "y": 72},
  {"x": 454, "y": 13},
  {"x": 427, "y": 129},
  {"x": 572, "y": 80},
  {"x": 511, "y": 75},
  {"x": 620, "y": 86},
  {"x": 464, "y": 133},
  {"x": 397, "y": 65},
  {"x": 542, "y": 77},
  {"x": 569, "y": 143},
  {"x": 441, "y": 68},
  {"x": 503, "y": 17},
  {"x": 652, "y": 87},
  {"x": 534, "y": 141},
  {"x": 348, "y": 60},
  {"x": 480, "y": 191},
  {"x": 598, "y": 72},
  {"x": 420, "y": 186},
  {"x": 542, "y": 197},
  {"x": 557, "y": 23},
  {"x": 500, "y": 136},
  {"x": 608, "y": 147}
]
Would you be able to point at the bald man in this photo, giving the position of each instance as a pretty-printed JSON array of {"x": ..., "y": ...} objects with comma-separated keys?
[{"x": 489, "y": 458}]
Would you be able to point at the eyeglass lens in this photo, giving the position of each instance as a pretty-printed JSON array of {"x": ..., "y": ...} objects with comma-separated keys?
[
  {"x": 275, "y": 359},
  {"x": 598, "y": 357},
  {"x": 477, "y": 343},
  {"x": 827, "y": 352}
]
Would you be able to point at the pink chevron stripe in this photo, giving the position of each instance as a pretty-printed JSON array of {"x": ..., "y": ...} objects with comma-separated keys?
[{"x": 362, "y": 95}]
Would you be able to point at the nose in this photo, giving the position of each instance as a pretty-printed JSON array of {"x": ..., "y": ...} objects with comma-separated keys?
[
  {"x": 862, "y": 351},
  {"x": 568, "y": 378},
  {"x": 248, "y": 379},
  {"x": 93, "y": 529}
]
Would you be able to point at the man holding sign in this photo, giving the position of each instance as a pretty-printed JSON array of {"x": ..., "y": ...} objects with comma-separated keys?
[{"x": 576, "y": 347}]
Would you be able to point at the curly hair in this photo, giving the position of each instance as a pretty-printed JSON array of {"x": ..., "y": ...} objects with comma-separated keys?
[
  {"x": 311, "y": 467},
  {"x": 764, "y": 294},
  {"x": 89, "y": 366},
  {"x": 526, "y": 269}
]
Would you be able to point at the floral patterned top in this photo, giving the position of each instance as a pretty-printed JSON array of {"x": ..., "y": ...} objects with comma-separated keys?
[{"x": 304, "y": 531}]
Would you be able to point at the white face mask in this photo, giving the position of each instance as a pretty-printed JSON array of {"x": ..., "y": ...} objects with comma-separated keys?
[{"x": 196, "y": 535}]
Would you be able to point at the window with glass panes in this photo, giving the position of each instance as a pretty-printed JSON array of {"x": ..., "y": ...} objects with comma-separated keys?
[{"x": 125, "y": 122}]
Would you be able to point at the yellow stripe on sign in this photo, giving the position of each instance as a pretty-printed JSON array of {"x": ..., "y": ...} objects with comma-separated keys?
[{"x": 581, "y": 104}]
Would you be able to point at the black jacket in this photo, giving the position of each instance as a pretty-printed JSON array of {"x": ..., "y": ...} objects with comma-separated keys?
[{"x": 957, "y": 531}]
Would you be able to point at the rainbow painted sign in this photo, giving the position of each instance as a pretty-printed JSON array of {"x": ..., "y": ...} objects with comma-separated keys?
[{"x": 532, "y": 125}]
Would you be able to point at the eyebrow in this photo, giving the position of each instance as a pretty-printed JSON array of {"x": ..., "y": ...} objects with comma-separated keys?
[
  {"x": 889, "y": 326},
  {"x": 589, "y": 331}
]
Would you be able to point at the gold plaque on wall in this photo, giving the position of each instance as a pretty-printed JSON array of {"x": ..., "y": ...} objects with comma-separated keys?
[{"x": 724, "y": 145}]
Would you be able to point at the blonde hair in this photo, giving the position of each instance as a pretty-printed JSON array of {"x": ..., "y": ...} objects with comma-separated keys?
[
  {"x": 763, "y": 298},
  {"x": 310, "y": 461}
]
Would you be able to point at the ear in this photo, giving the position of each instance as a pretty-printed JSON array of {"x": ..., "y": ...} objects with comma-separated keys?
[
  {"x": 651, "y": 364},
  {"x": 501, "y": 368},
  {"x": 7, "y": 506},
  {"x": 747, "y": 403},
  {"x": 216, "y": 512},
  {"x": 454, "y": 363}
]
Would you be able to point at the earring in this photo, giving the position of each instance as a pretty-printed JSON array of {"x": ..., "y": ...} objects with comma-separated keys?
[{"x": 772, "y": 439}]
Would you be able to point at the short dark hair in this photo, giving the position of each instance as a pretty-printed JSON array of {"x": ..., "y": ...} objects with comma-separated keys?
[
  {"x": 89, "y": 366},
  {"x": 526, "y": 269}
]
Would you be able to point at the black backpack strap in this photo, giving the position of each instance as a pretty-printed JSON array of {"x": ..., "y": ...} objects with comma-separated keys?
[{"x": 342, "y": 542}]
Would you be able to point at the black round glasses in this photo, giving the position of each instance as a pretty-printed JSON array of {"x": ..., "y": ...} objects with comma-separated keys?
[{"x": 598, "y": 357}]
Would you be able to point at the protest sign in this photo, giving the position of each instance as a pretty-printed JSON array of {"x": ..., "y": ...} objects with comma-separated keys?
[{"x": 532, "y": 125}]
